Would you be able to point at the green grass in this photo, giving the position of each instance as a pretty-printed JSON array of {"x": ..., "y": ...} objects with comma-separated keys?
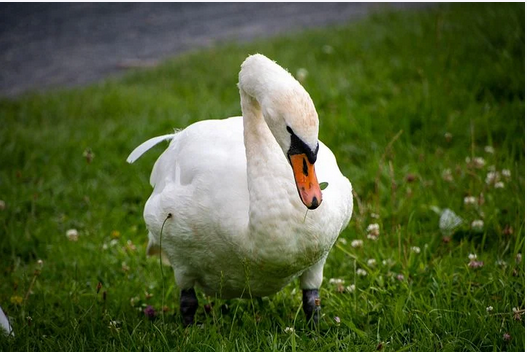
[{"x": 389, "y": 90}]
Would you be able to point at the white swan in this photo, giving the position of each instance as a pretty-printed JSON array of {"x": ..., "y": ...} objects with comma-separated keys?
[{"x": 234, "y": 194}]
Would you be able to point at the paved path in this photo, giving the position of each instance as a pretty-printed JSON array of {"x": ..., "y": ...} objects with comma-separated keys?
[{"x": 63, "y": 45}]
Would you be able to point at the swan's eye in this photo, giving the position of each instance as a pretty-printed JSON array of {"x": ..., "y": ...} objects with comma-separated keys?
[{"x": 299, "y": 147}]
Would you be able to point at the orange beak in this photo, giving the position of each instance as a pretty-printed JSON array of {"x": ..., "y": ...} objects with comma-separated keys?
[{"x": 306, "y": 180}]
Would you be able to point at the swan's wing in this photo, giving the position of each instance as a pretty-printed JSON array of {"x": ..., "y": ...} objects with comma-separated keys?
[
  {"x": 204, "y": 150},
  {"x": 145, "y": 146},
  {"x": 339, "y": 190},
  {"x": 203, "y": 171}
]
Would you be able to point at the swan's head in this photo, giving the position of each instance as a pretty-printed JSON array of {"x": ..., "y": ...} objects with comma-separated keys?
[
  {"x": 292, "y": 118},
  {"x": 294, "y": 125}
]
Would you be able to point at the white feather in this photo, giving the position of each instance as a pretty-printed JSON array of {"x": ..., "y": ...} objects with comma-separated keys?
[
  {"x": 144, "y": 147},
  {"x": 4, "y": 323}
]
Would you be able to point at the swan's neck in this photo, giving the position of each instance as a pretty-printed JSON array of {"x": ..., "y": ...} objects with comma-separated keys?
[{"x": 272, "y": 194}]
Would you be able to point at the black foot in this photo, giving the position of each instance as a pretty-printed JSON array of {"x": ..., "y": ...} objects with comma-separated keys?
[
  {"x": 188, "y": 304},
  {"x": 311, "y": 305}
]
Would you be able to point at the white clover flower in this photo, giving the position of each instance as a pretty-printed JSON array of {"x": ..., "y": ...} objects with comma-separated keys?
[
  {"x": 499, "y": 185},
  {"x": 477, "y": 225},
  {"x": 362, "y": 272},
  {"x": 489, "y": 149},
  {"x": 334, "y": 281},
  {"x": 130, "y": 246},
  {"x": 337, "y": 320},
  {"x": 475, "y": 264},
  {"x": 447, "y": 175},
  {"x": 327, "y": 49},
  {"x": 472, "y": 256},
  {"x": 518, "y": 258},
  {"x": 506, "y": 173},
  {"x": 114, "y": 325},
  {"x": 375, "y": 215},
  {"x": 289, "y": 330},
  {"x": 73, "y": 235},
  {"x": 373, "y": 231},
  {"x": 301, "y": 74},
  {"x": 388, "y": 262},
  {"x": 448, "y": 136},
  {"x": 134, "y": 300},
  {"x": 40, "y": 263},
  {"x": 500, "y": 262},
  {"x": 492, "y": 177},
  {"x": 372, "y": 262},
  {"x": 373, "y": 228},
  {"x": 350, "y": 288},
  {"x": 400, "y": 277},
  {"x": 343, "y": 241},
  {"x": 356, "y": 243},
  {"x": 518, "y": 313},
  {"x": 478, "y": 162},
  {"x": 470, "y": 200},
  {"x": 114, "y": 242},
  {"x": 416, "y": 250},
  {"x": 104, "y": 246},
  {"x": 489, "y": 309}
]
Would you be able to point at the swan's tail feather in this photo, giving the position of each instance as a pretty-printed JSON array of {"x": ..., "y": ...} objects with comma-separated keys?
[{"x": 144, "y": 147}]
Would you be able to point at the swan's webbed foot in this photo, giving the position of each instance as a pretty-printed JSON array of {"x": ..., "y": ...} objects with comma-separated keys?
[
  {"x": 188, "y": 304},
  {"x": 311, "y": 305}
]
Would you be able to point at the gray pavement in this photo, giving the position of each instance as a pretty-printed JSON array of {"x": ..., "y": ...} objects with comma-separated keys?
[{"x": 43, "y": 46}]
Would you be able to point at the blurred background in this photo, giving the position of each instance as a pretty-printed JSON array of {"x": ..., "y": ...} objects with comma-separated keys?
[{"x": 48, "y": 45}]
